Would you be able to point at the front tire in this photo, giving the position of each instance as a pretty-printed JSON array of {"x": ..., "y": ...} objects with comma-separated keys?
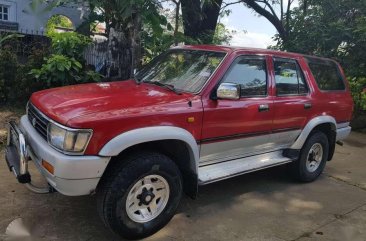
[
  {"x": 139, "y": 197},
  {"x": 313, "y": 157}
]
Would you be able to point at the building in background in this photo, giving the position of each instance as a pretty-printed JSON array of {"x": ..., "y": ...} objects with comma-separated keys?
[{"x": 19, "y": 16}]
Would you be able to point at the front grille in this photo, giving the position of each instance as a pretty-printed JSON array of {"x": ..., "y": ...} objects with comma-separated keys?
[{"x": 38, "y": 121}]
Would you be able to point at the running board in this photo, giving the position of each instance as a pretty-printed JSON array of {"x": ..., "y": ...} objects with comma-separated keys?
[{"x": 223, "y": 170}]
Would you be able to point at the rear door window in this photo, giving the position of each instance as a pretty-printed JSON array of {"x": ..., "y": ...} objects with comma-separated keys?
[
  {"x": 289, "y": 77},
  {"x": 326, "y": 74}
]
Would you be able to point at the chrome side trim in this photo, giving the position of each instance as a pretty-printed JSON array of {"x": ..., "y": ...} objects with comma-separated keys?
[
  {"x": 310, "y": 126},
  {"x": 155, "y": 133},
  {"x": 246, "y": 146},
  {"x": 224, "y": 170}
]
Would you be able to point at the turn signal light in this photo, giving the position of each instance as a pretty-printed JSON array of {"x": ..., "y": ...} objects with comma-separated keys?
[
  {"x": 48, "y": 166},
  {"x": 190, "y": 119}
]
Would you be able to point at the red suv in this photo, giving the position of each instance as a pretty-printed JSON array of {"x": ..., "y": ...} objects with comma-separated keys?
[{"x": 194, "y": 115}]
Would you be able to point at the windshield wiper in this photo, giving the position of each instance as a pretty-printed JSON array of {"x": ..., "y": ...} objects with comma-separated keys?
[{"x": 168, "y": 86}]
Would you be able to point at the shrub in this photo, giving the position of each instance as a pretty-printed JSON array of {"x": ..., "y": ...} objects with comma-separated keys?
[
  {"x": 25, "y": 84},
  {"x": 8, "y": 70},
  {"x": 59, "y": 70},
  {"x": 66, "y": 64},
  {"x": 357, "y": 86},
  {"x": 70, "y": 44}
]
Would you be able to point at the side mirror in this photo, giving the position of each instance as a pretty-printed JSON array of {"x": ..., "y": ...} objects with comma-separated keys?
[{"x": 229, "y": 91}]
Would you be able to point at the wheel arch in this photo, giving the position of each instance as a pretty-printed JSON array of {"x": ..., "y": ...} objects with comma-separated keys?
[
  {"x": 327, "y": 124},
  {"x": 310, "y": 126},
  {"x": 174, "y": 142}
]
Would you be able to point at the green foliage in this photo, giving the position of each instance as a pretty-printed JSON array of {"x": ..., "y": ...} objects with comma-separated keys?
[
  {"x": 222, "y": 35},
  {"x": 329, "y": 28},
  {"x": 334, "y": 29},
  {"x": 8, "y": 63},
  {"x": 59, "y": 70},
  {"x": 57, "y": 21},
  {"x": 358, "y": 85},
  {"x": 6, "y": 37},
  {"x": 70, "y": 44},
  {"x": 66, "y": 64}
]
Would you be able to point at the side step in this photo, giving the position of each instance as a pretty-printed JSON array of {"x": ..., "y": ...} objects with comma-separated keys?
[{"x": 223, "y": 170}]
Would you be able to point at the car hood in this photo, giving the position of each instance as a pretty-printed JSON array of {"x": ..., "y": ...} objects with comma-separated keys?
[{"x": 65, "y": 103}]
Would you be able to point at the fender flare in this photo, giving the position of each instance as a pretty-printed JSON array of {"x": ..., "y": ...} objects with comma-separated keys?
[
  {"x": 155, "y": 133},
  {"x": 310, "y": 126}
]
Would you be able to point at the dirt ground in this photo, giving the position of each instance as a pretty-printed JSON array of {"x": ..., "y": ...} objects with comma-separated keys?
[{"x": 266, "y": 205}]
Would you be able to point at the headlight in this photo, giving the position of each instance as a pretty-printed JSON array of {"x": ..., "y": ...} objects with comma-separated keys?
[{"x": 68, "y": 140}]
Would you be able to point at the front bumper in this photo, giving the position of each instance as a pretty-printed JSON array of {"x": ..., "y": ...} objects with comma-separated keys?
[{"x": 73, "y": 175}]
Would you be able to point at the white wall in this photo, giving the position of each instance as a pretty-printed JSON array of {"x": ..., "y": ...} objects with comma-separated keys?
[{"x": 34, "y": 21}]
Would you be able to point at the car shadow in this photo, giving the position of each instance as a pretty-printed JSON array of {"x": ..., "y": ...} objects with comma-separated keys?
[{"x": 83, "y": 223}]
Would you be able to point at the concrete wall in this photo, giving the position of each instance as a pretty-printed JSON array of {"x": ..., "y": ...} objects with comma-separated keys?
[{"x": 33, "y": 21}]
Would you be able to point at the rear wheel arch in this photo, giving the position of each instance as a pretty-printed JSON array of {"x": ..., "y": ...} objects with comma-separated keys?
[
  {"x": 322, "y": 123},
  {"x": 330, "y": 131}
]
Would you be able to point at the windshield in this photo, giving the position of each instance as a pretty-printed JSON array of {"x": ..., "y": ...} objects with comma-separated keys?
[{"x": 185, "y": 70}]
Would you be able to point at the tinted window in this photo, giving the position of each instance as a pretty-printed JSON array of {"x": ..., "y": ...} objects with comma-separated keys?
[
  {"x": 250, "y": 73},
  {"x": 326, "y": 74},
  {"x": 289, "y": 78},
  {"x": 186, "y": 70}
]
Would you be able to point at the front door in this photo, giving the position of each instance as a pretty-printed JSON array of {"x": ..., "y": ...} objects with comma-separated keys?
[{"x": 237, "y": 128}]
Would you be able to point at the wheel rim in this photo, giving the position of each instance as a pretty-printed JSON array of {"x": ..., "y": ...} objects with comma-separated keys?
[
  {"x": 147, "y": 198},
  {"x": 315, "y": 157}
]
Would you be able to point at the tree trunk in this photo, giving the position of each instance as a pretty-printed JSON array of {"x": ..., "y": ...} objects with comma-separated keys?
[
  {"x": 200, "y": 22},
  {"x": 210, "y": 11},
  {"x": 135, "y": 39},
  {"x": 191, "y": 14},
  {"x": 119, "y": 55}
]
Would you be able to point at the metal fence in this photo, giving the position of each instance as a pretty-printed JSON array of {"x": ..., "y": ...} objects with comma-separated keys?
[{"x": 96, "y": 55}]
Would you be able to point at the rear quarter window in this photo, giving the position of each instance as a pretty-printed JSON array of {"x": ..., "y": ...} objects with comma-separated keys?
[{"x": 327, "y": 74}]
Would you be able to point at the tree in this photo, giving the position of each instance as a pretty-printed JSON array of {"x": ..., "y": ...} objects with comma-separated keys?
[
  {"x": 200, "y": 19},
  {"x": 222, "y": 35},
  {"x": 330, "y": 28},
  {"x": 58, "y": 21},
  {"x": 280, "y": 19},
  {"x": 334, "y": 29}
]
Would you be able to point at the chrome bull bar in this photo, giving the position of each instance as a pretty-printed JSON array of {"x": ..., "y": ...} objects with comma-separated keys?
[{"x": 17, "y": 158}]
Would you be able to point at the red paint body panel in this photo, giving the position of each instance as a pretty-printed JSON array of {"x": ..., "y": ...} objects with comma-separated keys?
[
  {"x": 230, "y": 117},
  {"x": 113, "y": 108}
]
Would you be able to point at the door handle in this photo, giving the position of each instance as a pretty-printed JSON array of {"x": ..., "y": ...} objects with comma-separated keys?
[
  {"x": 263, "y": 107},
  {"x": 307, "y": 105}
]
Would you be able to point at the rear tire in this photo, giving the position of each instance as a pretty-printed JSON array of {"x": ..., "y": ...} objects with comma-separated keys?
[
  {"x": 313, "y": 157},
  {"x": 139, "y": 197}
]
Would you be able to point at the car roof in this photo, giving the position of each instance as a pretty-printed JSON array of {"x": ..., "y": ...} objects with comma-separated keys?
[{"x": 230, "y": 49}]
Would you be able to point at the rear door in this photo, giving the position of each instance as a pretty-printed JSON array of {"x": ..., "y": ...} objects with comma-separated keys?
[
  {"x": 238, "y": 128},
  {"x": 292, "y": 101}
]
